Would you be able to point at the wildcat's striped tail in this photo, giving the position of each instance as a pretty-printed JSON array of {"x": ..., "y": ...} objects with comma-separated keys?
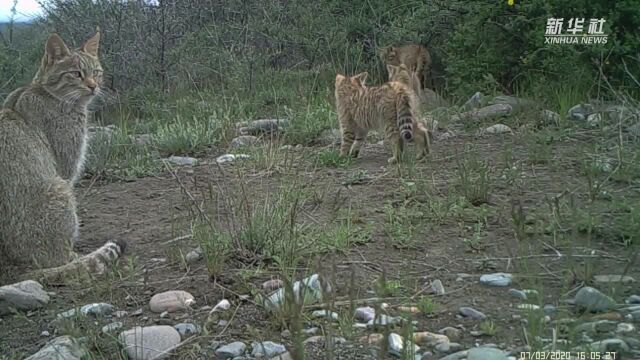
[
  {"x": 86, "y": 266},
  {"x": 405, "y": 116}
]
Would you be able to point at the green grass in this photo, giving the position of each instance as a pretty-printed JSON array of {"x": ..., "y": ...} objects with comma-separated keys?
[
  {"x": 119, "y": 156},
  {"x": 474, "y": 181},
  {"x": 332, "y": 158}
]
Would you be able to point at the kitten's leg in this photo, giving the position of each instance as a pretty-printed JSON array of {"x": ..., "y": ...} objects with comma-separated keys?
[
  {"x": 393, "y": 138},
  {"x": 360, "y": 136},
  {"x": 348, "y": 137},
  {"x": 423, "y": 144}
]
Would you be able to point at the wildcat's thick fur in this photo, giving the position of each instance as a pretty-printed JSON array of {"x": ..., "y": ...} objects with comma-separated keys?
[
  {"x": 403, "y": 75},
  {"x": 43, "y": 137},
  {"x": 415, "y": 57},
  {"x": 391, "y": 106}
]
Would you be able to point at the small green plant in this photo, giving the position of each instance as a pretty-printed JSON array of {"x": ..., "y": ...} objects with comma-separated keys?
[
  {"x": 475, "y": 241},
  {"x": 188, "y": 136},
  {"x": 117, "y": 155},
  {"x": 333, "y": 158},
  {"x": 216, "y": 247},
  {"x": 488, "y": 327},
  {"x": 474, "y": 182},
  {"x": 427, "y": 305},
  {"x": 399, "y": 226}
]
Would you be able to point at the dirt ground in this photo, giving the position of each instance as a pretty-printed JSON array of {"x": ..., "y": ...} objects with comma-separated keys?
[{"x": 150, "y": 213}]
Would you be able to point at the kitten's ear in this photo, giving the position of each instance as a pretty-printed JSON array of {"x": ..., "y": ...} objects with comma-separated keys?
[
  {"x": 391, "y": 69},
  {"x": 91, "y": 46},
  {"x": 362, "y": 77},
  {"x": 55, "y": 49},
  {"x": 339, "y": 78}
]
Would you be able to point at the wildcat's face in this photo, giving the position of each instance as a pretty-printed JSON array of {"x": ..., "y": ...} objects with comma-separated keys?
[{"x": 71, "y": 75}]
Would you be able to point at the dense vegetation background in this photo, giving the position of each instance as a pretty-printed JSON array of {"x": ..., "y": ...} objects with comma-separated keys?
[{"x": 181, "y": 45}]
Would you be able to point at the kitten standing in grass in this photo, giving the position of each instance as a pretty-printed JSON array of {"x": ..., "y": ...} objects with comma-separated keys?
[
  {"x": 403, "y": 75},
  {"x": 43, "y": 138},
  {"x": 392, "y": 106}
]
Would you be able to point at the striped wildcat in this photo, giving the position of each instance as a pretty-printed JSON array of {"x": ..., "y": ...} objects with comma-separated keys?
[{"x": 392, "y": 107}]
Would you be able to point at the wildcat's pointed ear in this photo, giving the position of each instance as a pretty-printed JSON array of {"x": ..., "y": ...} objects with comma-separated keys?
[
  {"x": 55, "y": 49},
  {"x": 92, "y": 45},
  {"x": 362, "y": 77},
  {"x": 391, "y": 69},
  {"x": 339, "y": 78}
]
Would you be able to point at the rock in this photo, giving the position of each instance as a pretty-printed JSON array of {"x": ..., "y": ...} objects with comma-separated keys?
[
  {"x": 193, "y": 255},
  {"x": 517, "y": 104},
  {"x": 397, "y": 345},
  {"x": 610, "y": 345},
  {"x": 409, "y": 309},
  {"x": 486, "y": 353},
  {"x": 490, "y": 112},
  {"x": 372, "y": 339},
  {"x": 187, "y": 329},
  {"x": 307, "y": 291},
  {"x": 244, "y": 140},
  {"x": 222, "y": 323},
  {"x": 437, "y": 287},
  {"x": 518, "y": 294},
  {"x": 143, "y": 139},
  {"x": 472, "y": 313},
  {"x": 320, "y": 339},
  {"x": 182, "y": 160},
  {"x": 267, "y": 349},
  {"x": 549, "y": 309},
  {"x": 626, "y": 279},
  {"x": 444, "y": 348},
  {"x": 456, "y": 356},
  {"x": 625, "y": 328},
  {"x": 149, "y": 342},
  {"x": 550, "y": 117},
  {"x": 120, "y": 313},
  {"x": 593, "y": 300},
  {"x": 451, "y": 332},
  {"x": 23, "y": 296},
  {"x": 429, "y": 339},
  {"x": 311, "y": 331},
  {"x": 427, "y": 355},
  {"x": 171, "y": 301},
  {"x": 530, "y": 307},
  {"x": 223, "y": 305},
  {"x": 137, "y": 312},
  {"x": 365, "y": 314},
  {"x": 497, "y": 279},
  {"x": 232, "y": 350},
  {"x": 431, "y": 100},
  {"x": 61, "y": 348},
  {"x": 594, "y": 119},
  {"x": 98, "y": 309},
  {"x": 325, "y": 314},
  {"x": 271, "y": 285},
  {"x": 330, "y": 137},
  {"x": 229, "y": 158},
  {"x": 474, "y": 102},
  {"x": 580, "y": 112},
  {"x": 114, "y": 326},
  {"x": 384, "y": 320},
  {"x": 264, "y": 126},
  {"x": 633, "y": 299},
  {"x": 498, "y": 129},
  {"x": 285, "y": 356}
]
